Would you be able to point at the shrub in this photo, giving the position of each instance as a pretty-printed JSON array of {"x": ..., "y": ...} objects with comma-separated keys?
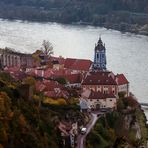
[{"x": 61, "y": 80}]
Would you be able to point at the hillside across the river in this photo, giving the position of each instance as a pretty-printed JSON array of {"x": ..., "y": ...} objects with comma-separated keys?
[{"x": 123, "y": 15}]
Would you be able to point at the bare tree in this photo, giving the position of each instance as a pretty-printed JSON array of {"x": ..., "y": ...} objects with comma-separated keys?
[{"x": 47, "y": 48}]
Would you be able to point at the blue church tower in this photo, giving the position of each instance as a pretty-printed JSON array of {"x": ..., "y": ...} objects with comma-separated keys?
[{"x": 100, "y": 56}]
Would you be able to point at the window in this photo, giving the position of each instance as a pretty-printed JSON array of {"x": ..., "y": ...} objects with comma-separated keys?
[
  {"x": 97, "y": 56},
  {"x": 105, "y": 91}
]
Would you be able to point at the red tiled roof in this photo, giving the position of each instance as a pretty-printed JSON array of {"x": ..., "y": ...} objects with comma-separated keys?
[
  {"x": 121, "y": 79},
  {"x": 12, "y": 69},
  {"x": 34, "y": 72},
  {"x": 99, "y": 95},
  {"x": 47, "y": 85},
  {"x": 48, "y": 72},
  {"x": 15, "y": 72},
  {"x": 73, "y": 78},
  {"x": 39, "y": 86},
  {"x": 61, "y": 60},
  {"x": 54, "y": 94},
  {"x": 51, "y": 85},
  {"x": 99, "y": 78},
  {"x": 69, "y": 62},
  {"x": 81, "y": 65},
  {"x": 78, "y": 64}
]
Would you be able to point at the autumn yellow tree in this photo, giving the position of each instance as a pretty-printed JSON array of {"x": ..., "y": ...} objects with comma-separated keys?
[
  {"x": 5, "y": 104},
  {"x": 29, "y": 80},
  {"x": 36, "y": 56}
]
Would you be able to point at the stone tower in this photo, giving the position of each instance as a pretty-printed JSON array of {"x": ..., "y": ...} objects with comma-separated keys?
[{"x": 100, "y": 56}]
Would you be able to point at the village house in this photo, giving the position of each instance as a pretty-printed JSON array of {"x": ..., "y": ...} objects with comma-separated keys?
[
  {"x": 84, "y": 105},
  {"x": 47, "y": 72},
  {"x": 78, "y": 65},
  {"x": 73, "y": 80},
  {"x": 123, "y": 84},
  {"x": 51, "y": 89},
  {"x": 69, "y": 132},
  {"x": 58, "y": 62},
  {"x": 98, "y": 100},
  {"x": 101, "y": 81},
  {"x": 16, "y": 72}
]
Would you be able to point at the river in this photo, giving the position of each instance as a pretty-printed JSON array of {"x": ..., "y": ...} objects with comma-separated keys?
[{"x": 126, "y": 53}]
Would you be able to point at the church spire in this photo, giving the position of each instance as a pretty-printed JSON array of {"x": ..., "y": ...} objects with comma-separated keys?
[
  {"x": 100, "y": 40},
  {"x": 100, "y": 56}
]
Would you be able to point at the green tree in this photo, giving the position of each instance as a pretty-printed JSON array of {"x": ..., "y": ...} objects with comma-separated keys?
[{"x": 120, "y": 104}]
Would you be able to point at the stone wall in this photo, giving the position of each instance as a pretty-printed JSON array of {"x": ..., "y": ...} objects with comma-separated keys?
[{"x": 9, "y": 58}]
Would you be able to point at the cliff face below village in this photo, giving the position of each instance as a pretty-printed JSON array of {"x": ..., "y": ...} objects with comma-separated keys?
[
  {"x": 123, "y": 15},
  {"x": 125, "y": 127}
]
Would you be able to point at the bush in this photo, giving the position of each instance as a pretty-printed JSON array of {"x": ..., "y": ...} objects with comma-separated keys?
[
  {"x": 6, "y": 77},
  {"x": 120, "y": 104},
  {"x": 61, "y": 80}
]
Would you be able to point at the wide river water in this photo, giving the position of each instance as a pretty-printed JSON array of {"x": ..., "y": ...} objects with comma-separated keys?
[{"x": 126, "y": 53}]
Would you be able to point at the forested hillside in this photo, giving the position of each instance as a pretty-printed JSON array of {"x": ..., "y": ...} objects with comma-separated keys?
[
  {"x": 124, "y": 15},
  {"x": 107, "y": 5},
  {"x": 25, "y": 123}
]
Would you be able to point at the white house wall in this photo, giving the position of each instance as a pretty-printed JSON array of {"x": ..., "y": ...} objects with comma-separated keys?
[
  {"x": 124, "y": 88},
  {"x": 104, "y": 103}
]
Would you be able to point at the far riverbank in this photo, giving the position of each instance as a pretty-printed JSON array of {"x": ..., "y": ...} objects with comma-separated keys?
[{"x": 122, "y": 27}]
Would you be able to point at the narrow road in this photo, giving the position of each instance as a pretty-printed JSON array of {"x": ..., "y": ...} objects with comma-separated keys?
[{"x": 81, "y": 138}]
